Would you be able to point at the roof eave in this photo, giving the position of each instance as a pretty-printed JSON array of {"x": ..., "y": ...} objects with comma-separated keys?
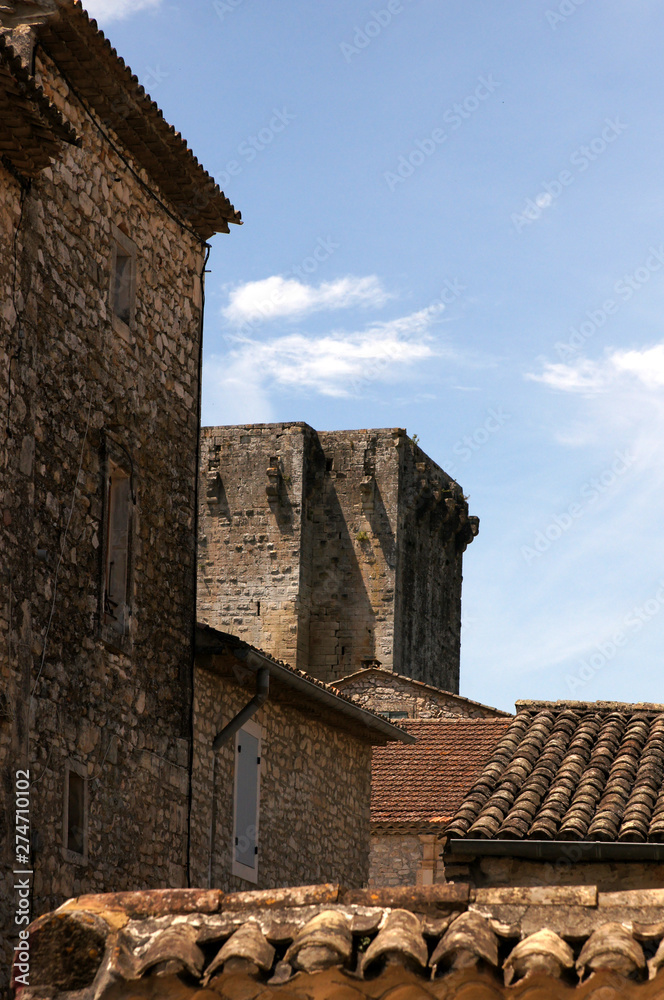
[
  {"x": 374, "y": 723},
  {"x": 574, "y": 851}
]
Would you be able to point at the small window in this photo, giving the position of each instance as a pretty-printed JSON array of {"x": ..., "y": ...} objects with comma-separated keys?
[
  {"x": 246, "y": 802},
  {"x": 123, "y": 281},
  {"x": 118, "y": 499},
  {"x": 75, "y": 826},
  {"x": 396, "y": 715}
]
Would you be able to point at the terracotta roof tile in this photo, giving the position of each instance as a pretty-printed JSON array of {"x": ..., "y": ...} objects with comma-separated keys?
[
  {"x": 31, "y": 127},
  {"x": 588, "y": 771},
  {"x": 426, "y": 782},
  {"x": 100, "y": 77},
  {"x": 313, "y": 942}
]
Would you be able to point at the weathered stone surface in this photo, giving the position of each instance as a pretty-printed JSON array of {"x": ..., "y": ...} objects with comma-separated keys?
[
  {"x": 80, "y": 387},
  {"x": 315, "y": 793},
  {"x": 385, "y": 691},
  {"x": 333, "y": 550}
]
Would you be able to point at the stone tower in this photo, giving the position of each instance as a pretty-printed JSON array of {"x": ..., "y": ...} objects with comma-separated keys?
[{"x": 333, "y": 550}]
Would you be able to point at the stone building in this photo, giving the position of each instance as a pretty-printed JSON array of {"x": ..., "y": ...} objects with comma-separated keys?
[
  {"x": 333, "y": 550},
  {"x": 416, "y": 790},
  {"x": 399, "y": 697},
  {"x": 281, "y": 779},
  {"x": 573, "y": 794},
  {"x": 105, "y": 216}
]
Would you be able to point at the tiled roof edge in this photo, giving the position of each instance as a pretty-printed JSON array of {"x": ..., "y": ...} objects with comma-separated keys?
[
  {"x": 33, "y": 92},
  {"x": 348, "y": 706},
  {"x": 430, "y": 687},
  {"x": 216, "y": 211}
]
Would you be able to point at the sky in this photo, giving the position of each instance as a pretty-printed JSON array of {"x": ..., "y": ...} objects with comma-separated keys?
[{"x": 453, "y": 223}]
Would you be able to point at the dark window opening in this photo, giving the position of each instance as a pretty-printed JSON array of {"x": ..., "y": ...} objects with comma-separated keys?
[
  {"x": 76, "y": 813},
  {"x": 329, "y": 464},
  {"x": 122, "y": 285},
  {"x": 117, "y": 548}
]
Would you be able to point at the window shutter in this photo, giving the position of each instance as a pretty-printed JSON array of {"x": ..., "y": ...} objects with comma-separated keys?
[{"x": 247, "y": 756}]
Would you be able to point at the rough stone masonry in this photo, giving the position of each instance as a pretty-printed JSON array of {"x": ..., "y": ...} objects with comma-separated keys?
[{"x": 333, "y": 550}]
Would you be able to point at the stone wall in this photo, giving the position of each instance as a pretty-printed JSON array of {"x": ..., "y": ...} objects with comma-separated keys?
[
  {"x": 250, "y": 546},
  {"x": 608, "y": 876},
  {"x": 315, "y": 789},
  {"x": 333, "y": 550},
  {"x": 81, "y": 389},
  {"x": 386, "y": 692},
  {"x": 405, "y": 859},
  {"x": 396, "y": 859}
]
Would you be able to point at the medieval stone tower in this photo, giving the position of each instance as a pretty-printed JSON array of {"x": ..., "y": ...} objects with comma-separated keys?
[{"x": 333, "y": 550}]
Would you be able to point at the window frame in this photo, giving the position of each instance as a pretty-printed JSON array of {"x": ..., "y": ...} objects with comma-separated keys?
[
  {"x": 118, "y": 638},
  {"x": 75, "y": 857},
  {"x": 237, "y": 867},
  {"x": 121, "y": 242}
]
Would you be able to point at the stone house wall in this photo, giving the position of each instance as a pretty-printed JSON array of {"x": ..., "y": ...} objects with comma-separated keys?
[
  {"x": 608, "y": 876},
  {"x": 315, "y": 789},
  {"x": 333, "y": 549},
  {"x": 386, "y": 692},
  {"x": 405, "y": 859},
  {"x": 83, "y": 389}
]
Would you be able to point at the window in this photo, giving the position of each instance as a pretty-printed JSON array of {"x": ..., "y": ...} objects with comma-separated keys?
[
  {"x": 116, "y": 570},
  {"x": 396, "y": 715},
  {"x": 246, "y": 802},
  {"x": 75, "y": 822},
  {"x": 123, "y": 281}
]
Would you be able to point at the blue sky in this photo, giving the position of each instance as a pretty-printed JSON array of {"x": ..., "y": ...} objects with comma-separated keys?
[{"x": 454, "y": 223}]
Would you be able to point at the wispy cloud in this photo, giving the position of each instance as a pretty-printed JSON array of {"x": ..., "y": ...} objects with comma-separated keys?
[
  {"x": 279, "y": 297},
  {"x": 338, "y": 364},
  {"x": 644, "y": 366},
  {"x": 117, "y": 10}
]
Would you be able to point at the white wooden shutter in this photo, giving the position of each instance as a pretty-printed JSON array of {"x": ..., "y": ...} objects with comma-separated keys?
[{"x": 247, "y": 796}]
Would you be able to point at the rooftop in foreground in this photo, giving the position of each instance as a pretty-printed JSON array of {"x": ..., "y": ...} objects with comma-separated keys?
[{"x": 323, "y": 941}]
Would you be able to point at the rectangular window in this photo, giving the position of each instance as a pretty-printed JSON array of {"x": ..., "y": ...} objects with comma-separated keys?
[
  {"x": 75, "y": 825},
  {"x": 118, "y": 501},
  {"x": 123, "y": 282},
  {"x": 246, "y": 802}
]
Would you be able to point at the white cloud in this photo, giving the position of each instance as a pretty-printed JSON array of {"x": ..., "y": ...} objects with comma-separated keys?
[
  {"x": 338, "y": 364},
  {"x": 585, "y": 376},
  {"x": 286, "y": 297},
  {"x": 117, "y": 10}
]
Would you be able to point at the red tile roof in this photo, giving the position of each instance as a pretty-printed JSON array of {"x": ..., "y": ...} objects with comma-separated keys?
[
  {"x": 425, "y": 783},
  {"x": 591, "y": 771}
]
